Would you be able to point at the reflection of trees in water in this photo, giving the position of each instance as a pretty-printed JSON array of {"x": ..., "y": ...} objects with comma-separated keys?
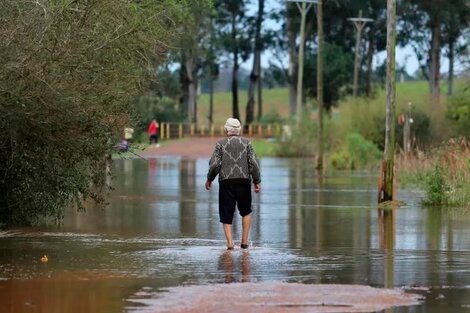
[
  {"x": 295, "y": 200},
  {"x": 312, "y": 222},
  {"x": 187, "y": 198}
]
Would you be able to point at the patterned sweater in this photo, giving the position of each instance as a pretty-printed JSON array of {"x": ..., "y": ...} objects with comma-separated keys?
[{"x": 235, "y": 161}]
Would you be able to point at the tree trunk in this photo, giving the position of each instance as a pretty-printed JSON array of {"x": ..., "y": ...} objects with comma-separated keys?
[
  {"x": 292, "y": 71},
  {"x": 319, "y": 164},
  {"x": 235, "y": 111},
  {"x": 211, "y": 99},
  {"x": 184, "y": 99},
  {"x": 435, "y": 62},
  {"x": 260, "y": 90},
  {"x": 192, "y": 91},
  {"x": 386, "y": 187},
  {"x": 370, "y": 71},
  {"x": 211, "y": 74},
  {"x": 250, "y": 105},
  {"x": 450, "y": 78},
  {"x": 255, "y": 72}
]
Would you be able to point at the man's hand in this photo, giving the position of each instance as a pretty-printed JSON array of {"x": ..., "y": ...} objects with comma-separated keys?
[
  {"x": 257, "y": 188},
  {"x": 208, "y": 185}
]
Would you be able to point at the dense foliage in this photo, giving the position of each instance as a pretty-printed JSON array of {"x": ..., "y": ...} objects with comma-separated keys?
[
  {"x": 459, "y": 112},
  {"x": 67, "y": 71}
]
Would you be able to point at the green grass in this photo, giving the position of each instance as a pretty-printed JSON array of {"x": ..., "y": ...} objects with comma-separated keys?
[
  {"x": 264, "y": 148},
  {"x": 273, "y": 99},
  {"x": 277, "y": 99}
]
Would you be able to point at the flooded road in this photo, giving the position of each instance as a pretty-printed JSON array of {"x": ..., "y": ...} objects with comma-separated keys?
[{"x": 161, "y": 230}]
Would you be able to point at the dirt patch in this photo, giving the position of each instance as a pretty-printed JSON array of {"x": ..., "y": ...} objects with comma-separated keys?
[
  {"x": 188, "y": 148},
  {"x": 271, "y": 297}
]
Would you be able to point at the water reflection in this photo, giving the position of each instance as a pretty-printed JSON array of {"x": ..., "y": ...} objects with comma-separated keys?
[
  {"x": 236, "y": 266},
  {"x": 161, "y": 229},
  {"x": 386, "y": 219}
]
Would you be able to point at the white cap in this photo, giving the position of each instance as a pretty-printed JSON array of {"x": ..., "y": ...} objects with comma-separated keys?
[{"x": 232, "y": 126}]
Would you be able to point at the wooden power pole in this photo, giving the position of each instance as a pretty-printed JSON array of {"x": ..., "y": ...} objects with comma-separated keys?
[
  {"x": 386, "y": 188},
  {"x": 359, "y": 23},
  {"x": 303, "y": 6},
  {"x": 319, "y": 164}
]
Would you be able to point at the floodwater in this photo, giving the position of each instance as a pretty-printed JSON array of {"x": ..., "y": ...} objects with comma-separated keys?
[{"x": 161, "y": 230}]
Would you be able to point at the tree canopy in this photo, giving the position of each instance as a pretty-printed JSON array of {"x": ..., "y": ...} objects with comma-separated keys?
[{"x": 67, "y": 72}]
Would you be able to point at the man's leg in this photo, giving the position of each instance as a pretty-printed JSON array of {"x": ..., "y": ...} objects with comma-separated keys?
[
  {"x": 246, "y": 223},
  {"x": 228, "y": 235},
  {"x": 244, "y": 206},
  {"x": 226, "y": 209}
]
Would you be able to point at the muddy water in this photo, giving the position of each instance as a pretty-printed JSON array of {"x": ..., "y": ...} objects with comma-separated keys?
[{"x": 161, "y": 230}]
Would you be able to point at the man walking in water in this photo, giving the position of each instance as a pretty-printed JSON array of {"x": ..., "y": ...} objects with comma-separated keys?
[{"x": 235, "y": 162}]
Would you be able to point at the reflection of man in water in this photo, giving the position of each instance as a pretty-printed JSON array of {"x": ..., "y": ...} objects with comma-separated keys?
[
  {"x": 226, "y": 263},
  {"x": 235, "y": 162}
]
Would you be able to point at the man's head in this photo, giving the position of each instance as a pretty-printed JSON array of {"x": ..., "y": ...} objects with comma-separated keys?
[{"x": 232, "y": 127}]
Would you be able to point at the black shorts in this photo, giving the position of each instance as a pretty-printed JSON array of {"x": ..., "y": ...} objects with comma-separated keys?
[{"x": 238, "y": 194}]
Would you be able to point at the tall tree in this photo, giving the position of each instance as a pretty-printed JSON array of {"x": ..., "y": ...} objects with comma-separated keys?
[
  {"x": 456, "y": 19},
  {"x": 194, "y": 41},
  {"x": 422, "y": 25},
  {"x": 256, "y": 70},
  {"x": 230, "y": 19},
  {"x": 212, "y": 68}
]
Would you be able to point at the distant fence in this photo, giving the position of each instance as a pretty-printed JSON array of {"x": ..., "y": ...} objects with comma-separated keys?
[{"x": 181, "y": 130}]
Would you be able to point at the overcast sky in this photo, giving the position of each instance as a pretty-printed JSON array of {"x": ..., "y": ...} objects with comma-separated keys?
[{"x": 402, "y": 54}]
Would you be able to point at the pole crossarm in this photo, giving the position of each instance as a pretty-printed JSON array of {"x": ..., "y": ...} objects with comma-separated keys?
[
  {"x": 301, "y": 8},
  {"x": 306, "y": 1},
  {"x": 360, "y": 19},
  {"x": 360, "y": 22}
]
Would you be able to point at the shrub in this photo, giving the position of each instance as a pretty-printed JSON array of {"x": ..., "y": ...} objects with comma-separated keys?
[
  {"x": 436, "y": 187},
  {"x": 164, "y": 109},
  {"x": 358, "y": 153},
  {"x": 272, "y": 117},
  {"x": 302, "y": 140},
  {"x": 443, "y": 173},
  {"x": 66, "y": 74},
  {"x": 459, "y": 112}
]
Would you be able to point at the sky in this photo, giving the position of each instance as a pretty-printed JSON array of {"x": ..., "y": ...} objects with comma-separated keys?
[{"x": 403, "y": 54}]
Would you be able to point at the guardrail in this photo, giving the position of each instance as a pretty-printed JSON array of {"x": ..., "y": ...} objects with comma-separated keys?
[{"x": 181, "y": 130}]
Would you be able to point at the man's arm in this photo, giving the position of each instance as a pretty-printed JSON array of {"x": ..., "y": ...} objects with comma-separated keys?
[
  {"x": 214, "y": 165},
  {"x": 253, "y": 167}
]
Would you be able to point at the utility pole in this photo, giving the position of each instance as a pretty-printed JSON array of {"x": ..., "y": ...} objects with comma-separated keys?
[
  {"x": 319, "y": 164},
  {"x": 407, "y": 131},
  {"x": 359, "y": 22},
  {"x": 387, "y": 167},
  {"x": 303, "y": 6},
  {"x": 211, "y": 74}
]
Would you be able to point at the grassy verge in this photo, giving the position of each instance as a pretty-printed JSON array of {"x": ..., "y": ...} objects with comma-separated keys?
[{"x": 443, "y": 173}]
